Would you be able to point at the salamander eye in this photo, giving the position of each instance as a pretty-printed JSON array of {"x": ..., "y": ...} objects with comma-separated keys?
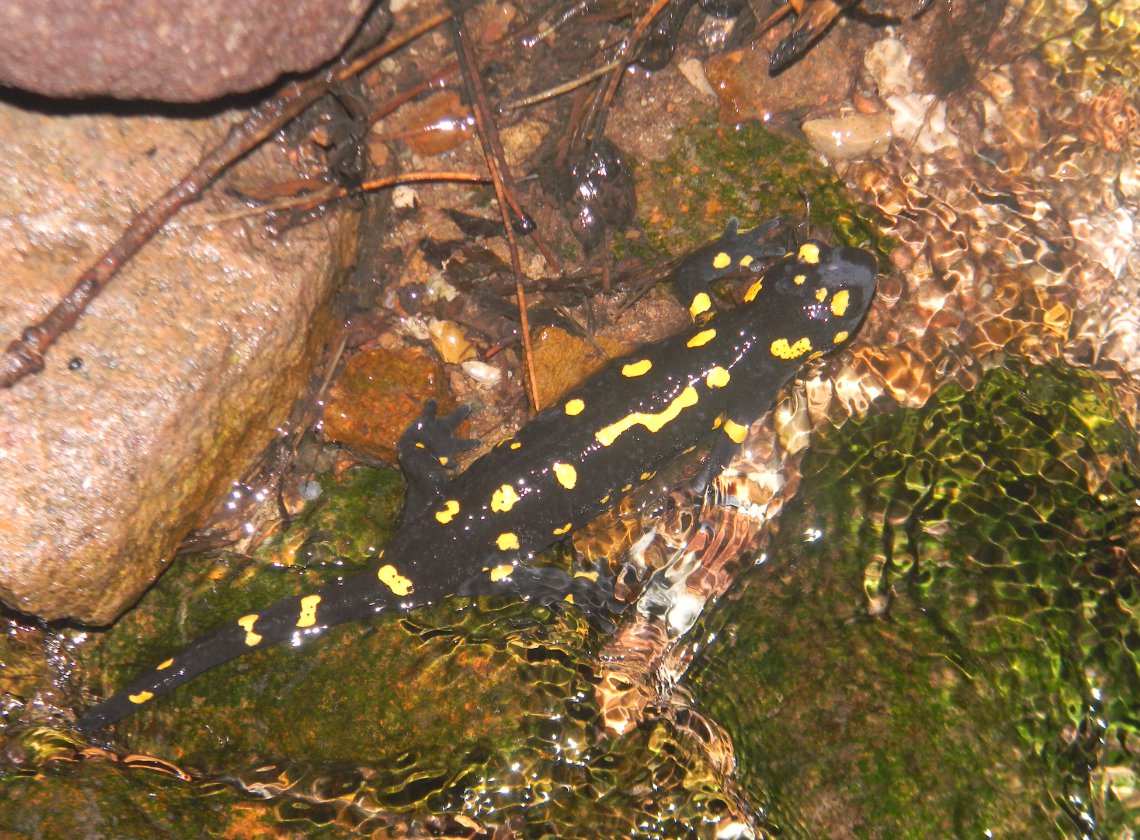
[{"x": 853, "y": 268}]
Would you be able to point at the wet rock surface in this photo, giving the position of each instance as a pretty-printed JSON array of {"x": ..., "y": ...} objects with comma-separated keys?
[
  {"x": 167, "y": 51},
  {"x": 179, "y": 371}
]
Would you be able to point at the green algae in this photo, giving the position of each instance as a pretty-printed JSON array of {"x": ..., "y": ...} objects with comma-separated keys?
[
  {"x": 958, "y": 653},
  {"x": 1092, "y": 39}
]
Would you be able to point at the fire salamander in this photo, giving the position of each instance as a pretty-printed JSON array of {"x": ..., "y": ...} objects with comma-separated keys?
[{"x": 574, "y": 460}]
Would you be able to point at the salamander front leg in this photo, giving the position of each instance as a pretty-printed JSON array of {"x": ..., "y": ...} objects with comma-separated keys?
[{"x": 427, "y": 450}]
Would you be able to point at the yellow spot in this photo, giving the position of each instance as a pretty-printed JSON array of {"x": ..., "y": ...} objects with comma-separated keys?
[
  {"x": 574, "y": 406},
  {"x": 246, "y": 623},
  {"x": 700, "y": 305},
  {"x": 565, "y": 529},
  {"x": 516, "y": 445},
  {"x": 717, "y": 377},
  {"x": 395, "y": 581},
  {"x": 645, "y": 476},
  {"x": 721, "y": 260},
  {"x": 420, "y": 445},
  {"x": 840, "y": 336},
  {"x": 753, "y": 290},
  {"x": 569, "y": 599},
  {"x": 821, "y": 295},
  {"x": 605, "y": 500},
  {"x": 166, "y": 663},
  {"x": 782, "y": 350},
  {"x": 719, "y": 419},
  {"x": 450, "y": 508},
  {"x": 702, "y": 338},
  {"x": 839, "y": 303},
  {"x": 507, "y": 541},
  {"x": 443, "y": 461},
  {"x": 627, "y": 488},
  {"x": 653, "y": 422},
  {"x": 504, "y": 499},
  {"x": 799, "y": 279},
  {"x": 141, "y": 697},
  {"x": 500, "y": 572},
  {"x": 582, "y": 573},
  {"x": 809, "y": 253},
  {"x": 746, "y": 261},
  {"x": 566, "y": 474},
  {"x": 736, "y": 433},
  {"x": 636, "y": 368},
  {"x": 308, "y": 616}
]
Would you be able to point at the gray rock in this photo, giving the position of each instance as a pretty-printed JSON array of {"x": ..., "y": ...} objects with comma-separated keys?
[
  {"x": 187, "y": 362},
  {"x": 168, "y": 50}
]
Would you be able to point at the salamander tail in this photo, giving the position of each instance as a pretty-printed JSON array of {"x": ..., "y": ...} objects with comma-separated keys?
[{"x": 293, "y": 618}]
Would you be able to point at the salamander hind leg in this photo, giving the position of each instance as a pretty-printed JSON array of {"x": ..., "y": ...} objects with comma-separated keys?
[
  {"x": 427, "y": 450},
  {"x": 589, "y": 590},
  {"x": 731, "y": 430}
]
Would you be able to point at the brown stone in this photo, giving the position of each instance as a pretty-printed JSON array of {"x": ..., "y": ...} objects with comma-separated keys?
[
  {"x": 822, "y": 80},
  {"x": 175, "y": 378},
  {"x": 168, "y": 50},
  {"x": 378, "y": 394}
]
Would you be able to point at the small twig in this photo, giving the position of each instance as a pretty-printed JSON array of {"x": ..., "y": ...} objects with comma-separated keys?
[
  {"x": 489, "y": 135},
  {"x": 781, "y": 12},
  {"x": 595, "y": 122},
  {"x": 558, "y": 90},
  {"x": 496, "y": 163},
  {"x": 423, "y": 131},
  {"x": 331, "y": 192},
  {"x": 438, "y": 80},
  {"x": 25, "y": 355}
]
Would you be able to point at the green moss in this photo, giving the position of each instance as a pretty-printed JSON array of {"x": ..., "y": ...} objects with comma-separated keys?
[
  {"x": 354, "y": 516},
  {"x": 713, "y": 172}
]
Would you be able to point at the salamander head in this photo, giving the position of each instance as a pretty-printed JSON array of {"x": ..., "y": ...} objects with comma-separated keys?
[{"x": 815, "y": 299}]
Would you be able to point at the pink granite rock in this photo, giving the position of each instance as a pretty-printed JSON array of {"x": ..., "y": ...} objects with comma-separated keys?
[
  {"x": 168, "y": 50},
  {"x": 171, "y": 383}
]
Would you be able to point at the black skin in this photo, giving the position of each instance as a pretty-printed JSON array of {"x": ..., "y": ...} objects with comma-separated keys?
[{"x": 471, "y": 534}]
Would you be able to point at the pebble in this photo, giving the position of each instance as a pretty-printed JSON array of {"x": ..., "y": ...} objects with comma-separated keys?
[
  {"x": 450, "y": 342},
  {"x": 853, "y": 136}
]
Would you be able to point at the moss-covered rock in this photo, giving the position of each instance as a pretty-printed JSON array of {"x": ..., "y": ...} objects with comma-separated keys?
[{"x": 944, "y": 641}]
